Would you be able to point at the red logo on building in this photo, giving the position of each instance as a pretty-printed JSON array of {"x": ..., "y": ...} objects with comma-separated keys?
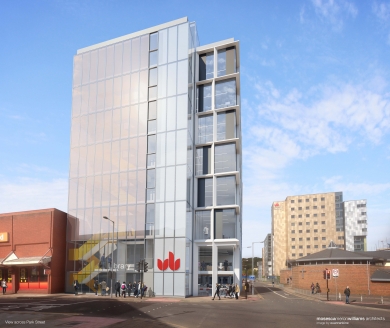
[
  {"x": 170, "y": 261},
  {"x": 277, "y": 205}
]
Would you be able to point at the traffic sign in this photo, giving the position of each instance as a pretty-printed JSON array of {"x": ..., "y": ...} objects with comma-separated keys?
[
  {"x": 335, "y": 272},
  {"x": 252, "y": 277}
]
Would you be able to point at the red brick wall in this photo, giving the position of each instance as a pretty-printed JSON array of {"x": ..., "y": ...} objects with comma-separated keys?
[
  {"x": 356, "y": 276},
  {"x": 284, "y": 274},
  {"x": 33, "y": 233}
]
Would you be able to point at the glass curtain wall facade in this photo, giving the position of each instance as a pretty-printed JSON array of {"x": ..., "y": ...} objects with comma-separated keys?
[
  {"x": 218, "y": 201},
  {"x": 132, "y": 161}
]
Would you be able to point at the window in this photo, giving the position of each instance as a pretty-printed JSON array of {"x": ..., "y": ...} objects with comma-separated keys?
[
  {"x": 292, "y": 239},
  {"x": 314, "y": 199},
  {"x": 153, "y": 93},
  {"x": 315, "y": 215},
  {"x": 363, "y": 213},
  {"x": 153, "y": 77},
  {"x": 299, "y": 200},
  {"x": 292, "y": 201},
  {"x": 340, "y": 237},
  {"x": 323, "y": 238},
  {"x": 226, "y": 125},
  {"x": 300, "y": 215},
  {"x": 151, "y": 161},
  {"x": 153, "y": 58},
  {"x": 205, "y": 129},
  {"x": 293, "y": 224},
  {"x": 307, "y": 215},
  {"x": 322, "y": 206},
  {"x": 204, "y": 97},
  {"x": 203, "y": 160},
  {"x": 322, "y": 214},
  {"x": 299, "y": 208},
  {"x": 308, "y": 207},
  {"x": 362, "y": 221},
  {"x": 153, "y": 41},
  {"x": 293, "y": 216},
  {"x": 300, "y": 246},
  {"x": 292, "y": 208},
  {"x": 307, "y": 238},
  {"x": 300, "y": 254},
  {"x": 226, "y": 190},
  {"x": 226, "y": 61},
  {"x": 315, "y": 246},
  {"x": 315, "y": 222},
  {"x": 364, "y": 229},
  {"x": 225, "y": 93},
  {"x": 205, "y": 192},
  {"x": 323, "y": 246},
  {"x": 322, "y": 199},
  {"x": 152, "y": 126},
  {"x": 300, "y": 231},
  {"x": 307, "y": 231},
  {"x": 315, "y": 238},
  {"x": 225, "y": 224},
  {"x": 225, "y": 158},
  {"x": 308, "y": 246},
  {"x": 300, "y": 239},
  {"x": 206, "y": 66},
  {"x": 202, "y": 224},
  {"x": 315, "y": 207},
  {"x": 307, "y": 200},
  {"x": 151, "y": 178},
  {"x": 323, "y": 230},
  {"x": 300, "y": 223},
  {"x": 293, "y": 254},
  {"x": 322, "y": 222},
  {"x": 307, "y": 223},
  {"x": 152, "y": 144},
  {"x": 292, "y": 231},
  {"x": 293, "y": 247},
  {"x": 152, "y": 110},
  {"x": 315, "y": 230}
]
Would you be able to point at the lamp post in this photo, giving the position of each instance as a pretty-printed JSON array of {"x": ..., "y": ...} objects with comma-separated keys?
[
  {"x": 253, "y": 246},
  {"x": 112, "y": 248}
]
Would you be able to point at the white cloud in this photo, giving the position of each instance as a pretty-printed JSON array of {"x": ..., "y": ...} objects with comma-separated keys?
[
  {"x": 335, "y": 11},
  {"x": 25, "y": 194},
  {"x": 368, "y": 189}
]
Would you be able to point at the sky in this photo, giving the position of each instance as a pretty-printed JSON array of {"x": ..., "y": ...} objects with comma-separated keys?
[{"x": 315, "y": 97}]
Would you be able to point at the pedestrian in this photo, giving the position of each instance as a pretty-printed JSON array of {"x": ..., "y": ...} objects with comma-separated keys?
[
  {"x": 76, "y": 287},
  {"x": 123, "y": 287},
  {"x": 237, "y": 290},
  {"x": 129, "y": 288},
  {"x": 117, "y": 287},
  {"x": 4, "y": 285},
  {"x": 312, "y": 287},
  {"x": 273, "y": 283},
  {"x": 226, "y": 264},
  {"x": 135, "y": 286},
  {"x": 109, "y": 262},
  {"x": 96, "y": 286},
  {"x": 347, "y": 292},
  {"x": 217, "y": 288},
  {"x": 317, "y": 288},
  {"x": 103, "y": 286},
  {"x": 102, "y": 262}
]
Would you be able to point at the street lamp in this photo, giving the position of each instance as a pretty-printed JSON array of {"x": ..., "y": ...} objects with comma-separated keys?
[
  {"x": 112, "y": 248},
  {"x": 253, "y": 246}
]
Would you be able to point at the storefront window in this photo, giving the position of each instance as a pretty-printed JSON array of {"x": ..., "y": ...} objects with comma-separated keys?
[
  {"x": 205, "y": 259},
  {"x": 32, "y": 278}
]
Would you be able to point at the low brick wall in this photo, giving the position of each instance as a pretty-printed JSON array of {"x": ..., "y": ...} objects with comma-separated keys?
[{"x": 356, "y": 276}]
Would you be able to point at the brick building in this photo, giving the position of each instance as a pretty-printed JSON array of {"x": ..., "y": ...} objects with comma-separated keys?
[
  {"x": 32, "y": 251},
  {"x": 366, "y": 273}
]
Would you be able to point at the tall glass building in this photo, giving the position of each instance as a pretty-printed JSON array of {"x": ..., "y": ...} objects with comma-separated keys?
[{"x": 156, "y": 150}]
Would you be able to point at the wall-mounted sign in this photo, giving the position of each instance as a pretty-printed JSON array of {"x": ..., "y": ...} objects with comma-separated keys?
[
  {"x": 277, "y": 205},
  {"x": 3, "y": 237}
]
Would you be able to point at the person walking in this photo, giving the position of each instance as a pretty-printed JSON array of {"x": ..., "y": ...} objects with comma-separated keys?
[
  {"x": 117, "y": 287},
  {"x": 237, "y": 290},
  {"x": 135, "y": 286},
  {"x": 129, "y": 288},
  {"x": 75, "y": 286},
  {"x": 312, "y": 287},
  {"x": 347, "y": 292},
  {"x": 123, "y": 287},
  {"x": 217, "y": 288},
  {"x": 96, "y": 286},
  {"x": 4, "y": 285}
]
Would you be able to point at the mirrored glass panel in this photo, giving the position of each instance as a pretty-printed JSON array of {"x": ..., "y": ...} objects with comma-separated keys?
[
  {"x": 226, "y": 125},
  {"x": 204, "y": 98},
  {"x": 225, "y": 158},
  {"x": 153, "y": 58},
  {"x": 151, "y": 160},
  {"x": 153, "y": 41},
  {"x": 205, "y": 129},
  {"x": 153, "y": 76},
  {"x": 226, "y": 61},
  {"x": 225, "y": 224},
  {"x": 206, "y": 66},
  {"x": 205, "y": 192},
  {"x": 152, "y": 144},
  {"x": 226, "y": 190},
  {"x": 202, "y": 224},
  {"x": 225, "y": 93},
  {"x": 203, "y": 160}
]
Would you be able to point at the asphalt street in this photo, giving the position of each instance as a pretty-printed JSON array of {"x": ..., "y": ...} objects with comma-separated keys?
[{"x": 270, "y": 307}]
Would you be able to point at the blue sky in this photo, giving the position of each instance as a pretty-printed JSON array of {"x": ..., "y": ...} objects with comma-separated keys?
[{"x": 315, "y": 96}]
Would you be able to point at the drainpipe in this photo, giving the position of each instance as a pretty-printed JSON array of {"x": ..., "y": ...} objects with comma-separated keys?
[{"x": 368, "y": 280}]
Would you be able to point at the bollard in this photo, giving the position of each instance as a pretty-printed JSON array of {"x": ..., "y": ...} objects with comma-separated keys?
[
  {"x": 361, "y": 298},
  {"x": 339, "y": 296},
  {"x": 381, "y": 299}
]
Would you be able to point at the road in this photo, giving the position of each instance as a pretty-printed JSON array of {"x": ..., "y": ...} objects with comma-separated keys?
[{"x": 272, "y": 307}]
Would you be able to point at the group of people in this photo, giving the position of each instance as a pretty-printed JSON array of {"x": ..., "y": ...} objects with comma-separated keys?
[
  {"x": 137, "y": 289},
  {"x": 315, "y": 288},
  {"x": 231, "y": 291}
]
